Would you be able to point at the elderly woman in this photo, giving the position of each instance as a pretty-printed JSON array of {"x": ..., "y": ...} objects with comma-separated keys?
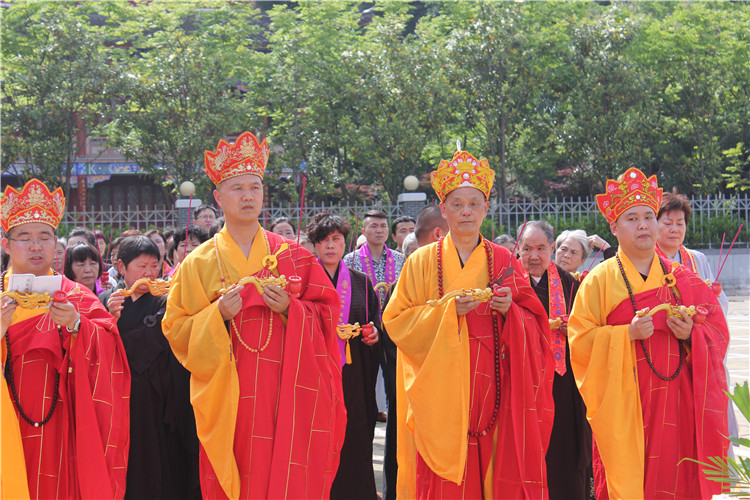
[
  {"x": 83, "y": 264},
  {"x": 355, "y": 477},
  {"x": 574, "y": 247}
]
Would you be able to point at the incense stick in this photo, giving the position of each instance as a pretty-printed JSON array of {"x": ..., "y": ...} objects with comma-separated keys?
[
  {"x": 515, "y": 247},
  {"x": 299, "y": 224},
  {"x": 727, "y": 255},
  {"x": 595, "y": 256},
  {"x": 187, "y": 228},
  {"x": 721, "y": 250}
]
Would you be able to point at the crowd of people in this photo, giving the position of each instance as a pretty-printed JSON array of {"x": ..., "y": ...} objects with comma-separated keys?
[{"x": 225, "y": 360}]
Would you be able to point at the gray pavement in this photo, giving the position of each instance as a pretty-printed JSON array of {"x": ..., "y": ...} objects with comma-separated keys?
[{"x": 738, "y": 363}]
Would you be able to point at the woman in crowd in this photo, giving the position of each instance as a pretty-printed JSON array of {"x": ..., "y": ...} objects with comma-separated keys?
[
  {"x": 181, "y": 246},
  {"x": 59, "y": 262},
  {"x": 83, "y": 264},
  {"x": 574, "y": 247},
  {"x": 355, "y": 477},
  {"x": 163, "y": 456},
  {"x": 161, "y": 243},
  {"x": 283, "y": 227}
]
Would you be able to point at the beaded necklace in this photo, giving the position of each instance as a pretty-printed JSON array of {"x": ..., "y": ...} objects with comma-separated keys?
[
  {"x": 231, "y": 321},
  {"x": 495, "y": 335},
  {"x": 12, "y": 383},
  {"x": 643, "y": 344}
]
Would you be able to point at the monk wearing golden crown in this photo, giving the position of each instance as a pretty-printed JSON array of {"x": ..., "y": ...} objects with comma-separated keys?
[
  {"x": 475, "y": 368},
  {"x": 264, "y": 360},
  {"x": 647, "y": 339},
  {"x": 65, "y": 406}
]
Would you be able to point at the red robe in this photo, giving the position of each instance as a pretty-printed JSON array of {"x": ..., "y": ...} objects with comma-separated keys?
[
  {"x": 82, "y": 451},
  {"x": 685, "y": 417},
  {"x": 290, "y": 419}
]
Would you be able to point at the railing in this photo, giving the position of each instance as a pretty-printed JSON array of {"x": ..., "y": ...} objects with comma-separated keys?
[{"x": 712, "y": 217}]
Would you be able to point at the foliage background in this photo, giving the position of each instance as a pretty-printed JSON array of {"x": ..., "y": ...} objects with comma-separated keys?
[{"x": 557, "y": 95}]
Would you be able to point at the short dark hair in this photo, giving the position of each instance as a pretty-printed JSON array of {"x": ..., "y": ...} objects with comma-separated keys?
[
  {"x": 401, "y": 220},
  {"x": 193, "y": 231},
  {"x": 324, "y": 224},
  {"x": 99, "y": 234},
  {"x": 80, "y": 252},
  {"x": 374, "y": 214},
  {"x": 130, "y": 232},
  {"x": 281, "y": 220},
  {"x": 133, "y": 247},
  {"x": 82, "y": 231},
  {"x": 674, "y": 201},
  {"x": 204, "y": 207}
]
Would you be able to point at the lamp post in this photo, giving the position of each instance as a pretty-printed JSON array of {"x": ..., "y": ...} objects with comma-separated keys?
[
  {"x": 411, "y": 202},
  {"x": 185, "y": 207}
]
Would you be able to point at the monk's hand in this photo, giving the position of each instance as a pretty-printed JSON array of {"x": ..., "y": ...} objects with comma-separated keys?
[
  {"x": 7, "y": 307},
  {"x": 501, "y": 300},
  {"x": 642, "y": 327},
  {"x": 230, "y": 303},
  {"x": 682, "y": 327},
  {"x": 276, "y": 299},
  {"x": 115, "y": 304},
  {"x": 373, "y": 337},
  {"x": 465, "y": 304},
  {"x": 564, "y": 327},
  {"x": 64, "y": 314}
]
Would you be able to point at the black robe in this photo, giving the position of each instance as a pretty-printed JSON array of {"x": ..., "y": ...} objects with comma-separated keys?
[
  {"x": 163, "y": 457},
  {"x": 569, "y": 453},
  {"x": 355, "y": 477}
]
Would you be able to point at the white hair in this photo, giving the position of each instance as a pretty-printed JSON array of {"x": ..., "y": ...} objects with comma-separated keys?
[
  {"x": 580, "y": 236},
  {"x": 411, "y": 239}
]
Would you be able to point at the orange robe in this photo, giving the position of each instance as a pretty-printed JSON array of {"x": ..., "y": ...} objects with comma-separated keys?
[
  {"x": 82, "y": 451},
  {"x": 645, "y": 426},
  {"x": 271, "y": 424},
  {"x": 446, "y": 383}
]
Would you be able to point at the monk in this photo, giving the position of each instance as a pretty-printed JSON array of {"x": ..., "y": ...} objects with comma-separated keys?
[
  {"x": 265, "y": 366},
  {"x": 475, "y": 373},
  {"x": 65, "y": 419},
  {"x": 653, "y": 384}
]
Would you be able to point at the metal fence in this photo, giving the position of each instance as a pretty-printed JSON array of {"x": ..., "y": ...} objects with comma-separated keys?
[{"x": 713, "y": 216}]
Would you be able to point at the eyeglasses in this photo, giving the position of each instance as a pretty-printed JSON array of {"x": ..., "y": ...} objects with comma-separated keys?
[{"x": 44, "y": 240}]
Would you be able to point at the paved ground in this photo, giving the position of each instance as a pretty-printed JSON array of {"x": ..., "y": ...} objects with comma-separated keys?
[{"x": 738, "y": 362}]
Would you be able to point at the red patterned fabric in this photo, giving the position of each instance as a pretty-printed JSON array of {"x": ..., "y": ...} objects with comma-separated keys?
[
  {"x": 518, "y": 443},
  {"x": 291, "y": 418},
  {"x": 82, "y": 451},
  {"x": 685, "y": 417}
]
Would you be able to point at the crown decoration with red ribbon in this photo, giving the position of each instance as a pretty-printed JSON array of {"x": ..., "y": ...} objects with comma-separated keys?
[
  {"x": 463, "y": 171},
  {"x": 34, "y": 203},
  {"x": 243, "y": 156},
  {"x": 631, "y": 190}
]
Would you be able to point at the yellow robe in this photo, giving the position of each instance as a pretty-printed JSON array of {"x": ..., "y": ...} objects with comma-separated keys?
[
  {"x": 607, "y": 355},
  {"x": 214, "y": 383}
]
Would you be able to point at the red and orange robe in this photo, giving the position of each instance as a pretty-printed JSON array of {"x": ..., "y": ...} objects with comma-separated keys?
[
  {"x": 645, "y": 426},
  {"x": 270, "y": 423},
  {"x": 446, "y": 381},
  {"x": 82, "y": 451}
]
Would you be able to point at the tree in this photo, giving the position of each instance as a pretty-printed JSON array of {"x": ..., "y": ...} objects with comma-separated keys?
[
  {"x": 57, "y": 86},
  {"x": 180, "y": 92}
]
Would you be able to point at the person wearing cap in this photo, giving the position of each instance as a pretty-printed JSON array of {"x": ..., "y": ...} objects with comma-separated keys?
[
  {"x": 65, "y": 408},
  {"x": 474, "y": 378},
  {"x": 653, "y": 385},
  {"x": 265, "y": 366},
  {"x": 569, "y": 453}
]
